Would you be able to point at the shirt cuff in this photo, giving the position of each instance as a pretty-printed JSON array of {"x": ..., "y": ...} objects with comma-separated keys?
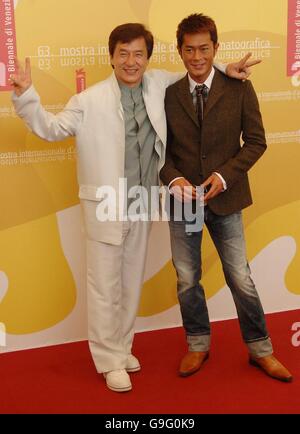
[
  {"x": 175, "y": 179},
  {"x": 15, "y": 97},
  {"x": 222, "y": 179}
]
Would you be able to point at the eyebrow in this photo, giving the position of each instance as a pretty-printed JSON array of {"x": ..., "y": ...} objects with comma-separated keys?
[
  {"x": 197, "y": 46},
  {"x": 128, "y": 51}
]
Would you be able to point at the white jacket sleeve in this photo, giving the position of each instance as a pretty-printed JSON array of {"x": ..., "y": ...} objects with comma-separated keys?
[
  {"x": 47, "y": 125},
  {"x": 221, "y": 67}
]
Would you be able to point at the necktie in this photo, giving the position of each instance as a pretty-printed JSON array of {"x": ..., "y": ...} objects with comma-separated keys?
[{"x": 201, "y": 97}]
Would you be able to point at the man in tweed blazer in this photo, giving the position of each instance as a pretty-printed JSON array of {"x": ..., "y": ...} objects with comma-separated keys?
[{"x": 207, "y": 114}]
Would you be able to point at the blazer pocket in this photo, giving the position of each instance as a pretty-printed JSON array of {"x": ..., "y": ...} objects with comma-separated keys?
[
  {"x": 89, "y": 192},
  {"x": 109, "y": 232}
]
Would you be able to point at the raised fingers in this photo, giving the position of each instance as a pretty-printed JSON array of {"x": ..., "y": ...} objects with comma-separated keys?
[{"x": 27, "y": 68}]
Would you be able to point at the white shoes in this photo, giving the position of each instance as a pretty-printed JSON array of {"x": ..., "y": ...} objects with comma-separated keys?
[
  {"x": 119, "y": 380},
  {"x": 133, "y": 365}
]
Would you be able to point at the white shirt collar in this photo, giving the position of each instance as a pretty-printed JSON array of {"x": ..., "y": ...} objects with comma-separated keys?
[{"x": 207, "y": 82}]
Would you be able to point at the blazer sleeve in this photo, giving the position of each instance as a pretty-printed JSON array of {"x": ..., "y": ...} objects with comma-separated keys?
[
  {"x": 47, "y": 125},
  {"x": 253, "y": 136}
]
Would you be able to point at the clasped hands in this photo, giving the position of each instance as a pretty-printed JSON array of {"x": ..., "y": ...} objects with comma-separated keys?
[{"x": 184, "y": 191}]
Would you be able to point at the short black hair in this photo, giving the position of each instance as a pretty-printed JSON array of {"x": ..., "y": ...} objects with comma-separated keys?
[
  {"x": 196, "y": 23},
  {"x": 126, "y": 33}
]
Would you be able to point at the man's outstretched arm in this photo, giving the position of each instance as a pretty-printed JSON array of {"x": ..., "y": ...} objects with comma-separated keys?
[
  {"x": 42, "y": 123},
  {"x": 240, "y": 70}
]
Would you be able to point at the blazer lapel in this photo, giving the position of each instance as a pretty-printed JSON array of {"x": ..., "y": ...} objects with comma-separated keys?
[
  {"x": 216, "y": 91},
  {"x": 117, "y": 93},
  {"x": 153, "y": 102},
  {"x": 186, "y": 100}
]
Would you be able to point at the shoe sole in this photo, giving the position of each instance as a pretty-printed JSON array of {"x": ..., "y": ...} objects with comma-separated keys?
[
  {"x": 116, "y": 389},
  {"x": 136, "y": 369},
  {"x": 187, "y": 374},
  {"x": 257, "y": 365}
]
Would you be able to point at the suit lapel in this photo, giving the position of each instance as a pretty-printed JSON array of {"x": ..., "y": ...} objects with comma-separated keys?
[
  {"x": 216, "y": 91},
  {"x": 117, "y": 93},
  {"x": 152, "y": 100},
  {"x": 186, "y": 100}
]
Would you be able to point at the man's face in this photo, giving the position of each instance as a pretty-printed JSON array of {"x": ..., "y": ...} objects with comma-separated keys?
[
  {"x": 130, "y": 61},
  {"x": 198, "y": 52}
]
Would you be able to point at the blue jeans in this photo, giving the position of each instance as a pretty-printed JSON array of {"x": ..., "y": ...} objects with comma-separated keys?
[{"x": 227, "y": 234}]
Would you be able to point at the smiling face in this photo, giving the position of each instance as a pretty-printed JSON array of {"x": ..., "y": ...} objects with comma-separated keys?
[
  {"x": 198, "y": 52},
  {"x": 130, "y": 61}
]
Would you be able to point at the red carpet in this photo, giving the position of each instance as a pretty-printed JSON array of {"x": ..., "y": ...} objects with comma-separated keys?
[{"x": 62, "y": 379}]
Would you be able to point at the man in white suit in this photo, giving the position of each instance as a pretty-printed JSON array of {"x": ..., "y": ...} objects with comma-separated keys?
[{"x": 120, "y": 130}]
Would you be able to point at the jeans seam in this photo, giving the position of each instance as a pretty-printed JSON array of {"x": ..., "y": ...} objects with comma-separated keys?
[
  {"x": 197, "y": 334},
  {"x": 257, "y": 340}
]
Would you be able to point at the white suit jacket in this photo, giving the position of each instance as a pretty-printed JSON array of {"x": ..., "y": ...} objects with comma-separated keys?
[{"x": 95, "y": 117}]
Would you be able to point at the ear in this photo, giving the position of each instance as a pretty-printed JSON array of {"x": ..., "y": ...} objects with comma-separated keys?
[
  {"x": 111, "y": 61},
  {"x": 216, "y": 47}
]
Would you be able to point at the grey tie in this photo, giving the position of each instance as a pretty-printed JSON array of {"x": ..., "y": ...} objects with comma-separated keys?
[{"x": 201, "y": 98}]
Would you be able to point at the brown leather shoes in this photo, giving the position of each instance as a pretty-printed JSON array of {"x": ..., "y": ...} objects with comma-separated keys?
[
  {"x": 272, "y": 367},
  {"x": 192, "y": 362}
]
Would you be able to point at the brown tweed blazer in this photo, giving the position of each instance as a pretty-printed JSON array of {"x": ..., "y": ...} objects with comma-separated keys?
[{"x": 231, "y": 114}]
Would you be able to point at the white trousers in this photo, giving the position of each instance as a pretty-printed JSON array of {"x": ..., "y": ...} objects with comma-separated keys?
[{"x": 114, "y": 281}]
